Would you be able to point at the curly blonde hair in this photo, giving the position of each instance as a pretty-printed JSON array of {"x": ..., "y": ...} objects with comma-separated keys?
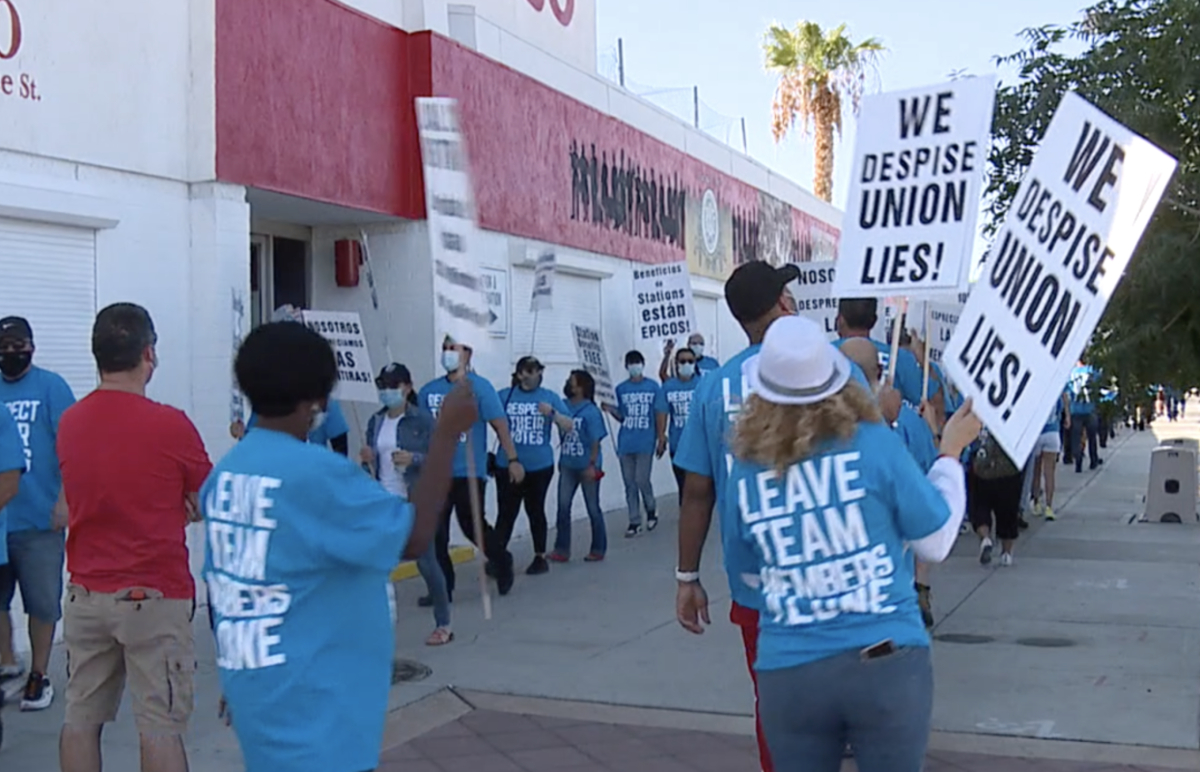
[{"x": 781, "y": 435}]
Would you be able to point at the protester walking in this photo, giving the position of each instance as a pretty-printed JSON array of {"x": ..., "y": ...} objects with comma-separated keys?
[
  {"x": 1083, "y": 419},
  {"x": 456, "y": 361},
  {"x": 532, "y": 412},
  {"x": 695, "y": 342},
  {"x": 581, "y": 466},
  {"x": 36, "y": 399},
  {"x": 672, "y": 408},
  {"x": 131, "y": 470},
  {"x": 306, "y": 668},
  {"x": 856, "y": 318},
  {"x": 1044, "y": 459},
  {"x": 636, "y": 441},
  {"x": 396, "y": 446},
  {"x": 994, "y": 484},
  {"x": 841, "y": 662}
]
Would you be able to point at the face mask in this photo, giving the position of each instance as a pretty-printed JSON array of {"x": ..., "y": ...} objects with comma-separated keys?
[
  {"x": 698, "y": 348},
  {"x": 568, "y": 392},
  {"x": 451, "y": 360},
  {"x": 530, "y": 382},
  {"x": 687, "y": 370},
  {"x": 318, "y": 419},
  {"x": 635, "y": 371},
  {"x": 391, "y": 397},
  {"x": 13, "y": 363}
]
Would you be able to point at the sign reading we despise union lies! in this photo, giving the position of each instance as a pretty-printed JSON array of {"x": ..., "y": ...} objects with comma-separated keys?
[
  {"x": 460, "y": 305},
  {"x": 663, "y": 299},
  {"x": 1069, "y": 234},
  {"x": 919, "y": 161}
]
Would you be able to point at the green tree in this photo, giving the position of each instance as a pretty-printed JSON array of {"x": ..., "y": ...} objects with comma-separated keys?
[
  {"x": 820, "y": 74},
  {"x": 1139, "y": 61}
]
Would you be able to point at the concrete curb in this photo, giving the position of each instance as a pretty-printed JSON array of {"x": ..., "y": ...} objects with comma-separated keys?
[{"x": 408, "y": 569}]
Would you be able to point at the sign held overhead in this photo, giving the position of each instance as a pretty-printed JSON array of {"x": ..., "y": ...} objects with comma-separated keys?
[
  {"x": 919, "y": 162},
  {"x": 663, "y": 298},
  {"x": 1068, "y": 236},
  {"x": 543, "y": 282},
  {"x": 344, "y": 331}
]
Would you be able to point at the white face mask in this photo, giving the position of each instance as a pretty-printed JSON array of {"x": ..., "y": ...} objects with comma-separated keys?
[
  {"x": 451, "y": 360},
  {"x": 318, "y": 419},
  {"x": 698, "y": 348},
  {"x": 635, "y": 371},
  {"x": 687, "y": 370}
]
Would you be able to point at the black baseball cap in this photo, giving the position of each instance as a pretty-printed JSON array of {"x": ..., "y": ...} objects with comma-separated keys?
[
  {"x": 15, "y": 328},
  {"x": 754, "y": 287},
  {"x": 392, "y": 376},
  {"x": 525, "y": 364}
]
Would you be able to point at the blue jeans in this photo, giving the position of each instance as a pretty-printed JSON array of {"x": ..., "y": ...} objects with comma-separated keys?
[
  {"x": 635, "y": 471},
  {"x": 881, "y": 707},
  {"x": 1080, "y": 423},
  {"x": 570, "y": 480},
  {"x": 435, "y": 580}
]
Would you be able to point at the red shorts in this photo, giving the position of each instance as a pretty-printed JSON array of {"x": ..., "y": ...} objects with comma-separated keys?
[{"x": 747, "y": 620}]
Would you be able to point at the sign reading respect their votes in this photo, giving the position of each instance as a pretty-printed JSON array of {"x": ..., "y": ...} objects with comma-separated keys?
[
  {"x": 919, "y": 162},
  {"x": 1077, "y": 217},
  {"x": 460, "y": 304},
  {"x": 343, "y": 330},
  {"x": 593, "y": 359},
  {"x": 663, "y": 302}
]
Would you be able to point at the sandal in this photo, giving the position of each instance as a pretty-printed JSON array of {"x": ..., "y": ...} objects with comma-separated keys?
[{"x": 440, "y": 637}]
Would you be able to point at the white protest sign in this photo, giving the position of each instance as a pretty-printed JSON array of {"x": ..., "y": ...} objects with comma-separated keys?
[
  {"x": 343, "y": 330},
  {"x": 460, "y": 306},
  {"x": 1077, "y": 217},
  {"x": 813, "y": 291},
  {"x": 543, "y": 282},
  {"x": 919, "y": 161},
  {"x": 663, "y": 299},
  {"x": 590, "y": 347},
  {"x": 942, "y": 315}
]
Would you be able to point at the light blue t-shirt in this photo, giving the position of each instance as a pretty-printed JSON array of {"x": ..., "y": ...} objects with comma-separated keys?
[
  {"x": 916, "y": 435},
  {"x": 300, "y": 546},
  {"x": 36, "y": 402},
  {"x": 531, "y": 431},
  {"x": 12, "y": 459},
  {"x": 1081, "y": 400},
  {"x": 487, "y": 403},
  {"x": 706, "y": 364},
  {"x": 828, "y": 538},
  {"x": 909, "y": 378},
  {"x": 635, "y": 401},
  {"x": 675, "y": 401},
  {"x": 590, "y": 428},
  {"x": 333, "y": 426}
]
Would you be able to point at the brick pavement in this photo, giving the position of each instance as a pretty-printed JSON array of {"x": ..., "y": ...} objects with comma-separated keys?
[{"x": 489, "y": 741}]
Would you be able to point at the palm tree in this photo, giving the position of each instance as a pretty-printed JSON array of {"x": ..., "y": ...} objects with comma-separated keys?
[{"x": 819, "y": 73}]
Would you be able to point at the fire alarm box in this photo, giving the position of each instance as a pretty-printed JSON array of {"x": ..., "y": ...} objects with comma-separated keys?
[{"x": 347, "y": 254}]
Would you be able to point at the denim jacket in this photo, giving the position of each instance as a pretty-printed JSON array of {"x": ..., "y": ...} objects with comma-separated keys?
[{"x": 412, "y": 434}]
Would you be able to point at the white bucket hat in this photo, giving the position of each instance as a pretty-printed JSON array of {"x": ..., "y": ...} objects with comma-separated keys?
[{"x": 797, "y": 364}]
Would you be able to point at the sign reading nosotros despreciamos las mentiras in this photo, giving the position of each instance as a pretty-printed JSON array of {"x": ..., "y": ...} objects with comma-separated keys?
[
  {"x": 343, "y": 330},
  {"x": 919, "y": 161},
  {"x": 1069, "y": 233},
  {"x": 663, "y": 298}
]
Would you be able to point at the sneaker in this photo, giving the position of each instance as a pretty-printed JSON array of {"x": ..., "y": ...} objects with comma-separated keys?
[
  {"x": 1050, "y": 514},
  {"x": 38, "y": 693},
  {"x": 1095, "y": 464},
  {"x": 1022, "y": 523},
  {"x": 1038, "y": 509},
  {"x": 489, "y": 568},
  {"x": 505, "y": 576},
  {"x": 632, "y": 530},
  {"x": 538, "y": 566},
  {"x": 11, "y": 672},
  {"x": 925, "y": 601},
  {"x": 651, "y": 522},
  {"x": 985, "y": 552},
  {"x": 557, "y": 557},
  {"x": 1006, "y": 559}
]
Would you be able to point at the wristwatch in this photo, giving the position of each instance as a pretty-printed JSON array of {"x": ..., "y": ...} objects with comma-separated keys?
[{"x": 687, "y": 577}]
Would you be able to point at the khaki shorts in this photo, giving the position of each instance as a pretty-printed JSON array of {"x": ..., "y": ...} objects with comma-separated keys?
[{"x": 135, "y": 635}]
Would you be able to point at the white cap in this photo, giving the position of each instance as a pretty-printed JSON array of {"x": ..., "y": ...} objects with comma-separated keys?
[{"x": 797, "y": 364}]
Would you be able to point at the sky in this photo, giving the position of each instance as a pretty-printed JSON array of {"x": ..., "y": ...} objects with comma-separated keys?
[{"x": 716, "y": 45}]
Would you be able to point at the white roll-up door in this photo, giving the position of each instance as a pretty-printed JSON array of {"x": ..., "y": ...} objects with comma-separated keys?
[
  {"x": 706, "y": 323},
  {"x": 576, "y": 300},
  {"x": 48, "y": 276}
]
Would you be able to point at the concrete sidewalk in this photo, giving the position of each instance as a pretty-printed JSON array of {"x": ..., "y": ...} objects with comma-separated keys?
[{"x": 1087, "y": 650}]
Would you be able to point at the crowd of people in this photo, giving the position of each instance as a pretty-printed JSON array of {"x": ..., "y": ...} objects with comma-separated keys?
[{"x": 837, "y": 477}]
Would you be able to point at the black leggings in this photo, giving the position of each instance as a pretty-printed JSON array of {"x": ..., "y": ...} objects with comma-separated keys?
[
  {"x": 459, "y": 500},
  {"x": 1001, "y": 497},
  {"x": 532, "y": 493},
  {"x": 680, "y": 476}
]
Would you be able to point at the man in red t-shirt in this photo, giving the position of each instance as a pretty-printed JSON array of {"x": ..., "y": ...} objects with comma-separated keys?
[{"x": 131, "y": 469}]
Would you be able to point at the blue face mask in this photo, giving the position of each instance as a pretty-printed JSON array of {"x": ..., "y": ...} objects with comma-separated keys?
[
  {"x": 687, "y": 370},
  {"x": 451, "y": 360},
  {"x": 698, "y": 348},
  {"x": 391, "y": 397},
  {"x": 635, "y": 371}
]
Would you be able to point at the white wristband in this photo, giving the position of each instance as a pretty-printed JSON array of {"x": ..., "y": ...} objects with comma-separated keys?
[{"x": 687, "y": 577}]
